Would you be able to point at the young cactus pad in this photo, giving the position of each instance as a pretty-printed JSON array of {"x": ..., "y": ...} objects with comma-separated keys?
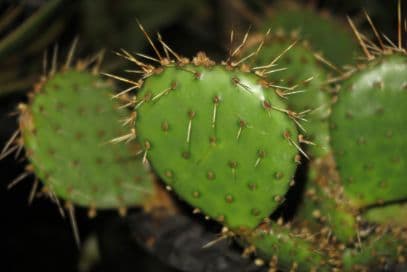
[
  {"x": 220, "y": 137},
  {"x": 301, "y": 67},
  {"x": 66, "y": 129},
  {"x": 369, "y": 132}
]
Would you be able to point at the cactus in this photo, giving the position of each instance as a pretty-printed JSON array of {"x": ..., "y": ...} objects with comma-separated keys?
[
  {"x": 300, "y": 66},
  {"x": 289, "y": 249},
  {"x": 66, "y": 128},
  {"x": 325, "y": 34},
  {"x": 385, "y": 248},
  {"x": 228, "y": 134},
  {"x": 324, "y": 207},
  {"x": 393, "y": 215},
  {"x": 368, "y": 121}
]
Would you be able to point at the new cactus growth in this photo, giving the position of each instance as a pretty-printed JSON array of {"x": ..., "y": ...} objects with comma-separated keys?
[{"x": 66, "y": 128}]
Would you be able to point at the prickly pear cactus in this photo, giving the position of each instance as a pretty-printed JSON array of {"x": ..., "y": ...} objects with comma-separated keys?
[
  {"x": 220, "y": 137},
  {"x": 66, "y": 129},
  {"x": 368, "y": 132},
  {"x": 325, "y": 33},
  {"x": 384, "y": 249},
  {"x": 298, "y": 66},
  {"x": 287, "y": 249},
  {"x": 393, "y": 215},
  {"x": 323, "y": 207}
]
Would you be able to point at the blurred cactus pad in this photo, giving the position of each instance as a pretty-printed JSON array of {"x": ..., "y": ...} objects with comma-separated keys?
[
  {"x": 368, "y": 132},
  {"x": 66, "y": 129}
]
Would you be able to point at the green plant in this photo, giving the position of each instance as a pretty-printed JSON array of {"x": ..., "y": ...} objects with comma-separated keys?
[
  {"x": 66, "y": 130},
  {"x": 300, "y": 79},
  {"x": 224, "y": 128},
  {"x": 325, "y": 33},
  {"x": 367, "y": 120}
]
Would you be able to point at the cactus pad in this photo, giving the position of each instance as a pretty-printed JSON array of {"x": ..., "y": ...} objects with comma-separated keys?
[
  {"x": 304, "y": 69},
  {"x": 66, "y": 130},
  {"x": 380, "y": 252},
  {"x": 220, "y": 138},
  {"x": 369, "y": 131},
  {"x": 393, "y": 215},
  {"x": 288, "y": 250},
  {"x": 325, "y": 33}
]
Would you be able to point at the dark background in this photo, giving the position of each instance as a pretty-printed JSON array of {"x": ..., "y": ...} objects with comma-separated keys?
[{"x": 36, "y": 237}]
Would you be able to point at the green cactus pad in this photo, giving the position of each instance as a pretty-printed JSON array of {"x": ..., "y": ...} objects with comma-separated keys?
[
  {"x": 66, "y": 130},
  {"x": 312, "y": 95},
  {"x": 323, "y": 205},
  {"x": 369, "y": 131},
  {"x": 325, "y": 33},
  {"x": 218, "y": 137},
  {"x": 384, "y": 249},
  {"x": 284, "y": 249},
  {"x": 393, "y": 215}
]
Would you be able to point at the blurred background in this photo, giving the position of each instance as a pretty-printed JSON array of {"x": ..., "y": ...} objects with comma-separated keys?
[{"x": 36, "y": 237}]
